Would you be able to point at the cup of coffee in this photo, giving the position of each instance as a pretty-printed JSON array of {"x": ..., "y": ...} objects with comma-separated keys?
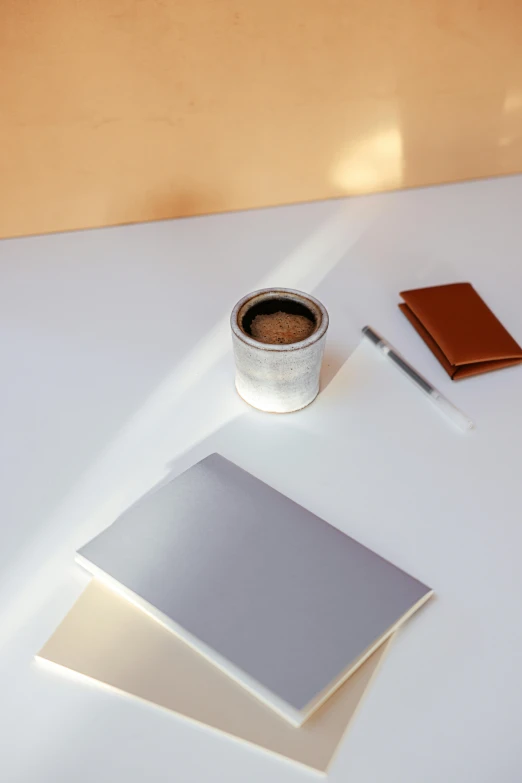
[{"x": 278, "y": 336}]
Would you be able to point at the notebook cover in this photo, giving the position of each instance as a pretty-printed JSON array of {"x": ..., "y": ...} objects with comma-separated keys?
[
  {"x": 278, "y": 598},
  {"x": 107, "y": 639},
  {"x": 460, "y": 329}
]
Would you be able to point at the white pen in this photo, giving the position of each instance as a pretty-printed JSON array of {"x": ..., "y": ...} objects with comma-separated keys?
[{"x": 443, "y": 404}]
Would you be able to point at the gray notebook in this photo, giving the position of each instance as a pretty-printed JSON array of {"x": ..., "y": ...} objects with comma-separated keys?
[{"x": 280, "y": 600}]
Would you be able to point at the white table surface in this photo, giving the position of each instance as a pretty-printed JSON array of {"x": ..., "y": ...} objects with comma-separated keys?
[{"x": 116, "y": 367}]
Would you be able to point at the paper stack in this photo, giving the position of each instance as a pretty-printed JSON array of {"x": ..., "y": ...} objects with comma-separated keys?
[{"x": 220, "y": 599}]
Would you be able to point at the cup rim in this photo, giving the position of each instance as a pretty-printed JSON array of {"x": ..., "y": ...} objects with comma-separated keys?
[{"x": 313, "y": 304}]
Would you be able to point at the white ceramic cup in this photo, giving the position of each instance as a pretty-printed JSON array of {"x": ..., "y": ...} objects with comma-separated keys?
[{"x": 273, "y": 377}]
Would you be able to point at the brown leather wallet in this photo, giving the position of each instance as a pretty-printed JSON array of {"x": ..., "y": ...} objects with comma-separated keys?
[{"x": 460, "y": 329}]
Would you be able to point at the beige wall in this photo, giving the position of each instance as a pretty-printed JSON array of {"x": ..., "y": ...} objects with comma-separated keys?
[{"x": 114, "y": 111}]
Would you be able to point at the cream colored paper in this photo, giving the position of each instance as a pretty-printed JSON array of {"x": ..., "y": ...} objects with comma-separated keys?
[{"x": 107, "y": 639}]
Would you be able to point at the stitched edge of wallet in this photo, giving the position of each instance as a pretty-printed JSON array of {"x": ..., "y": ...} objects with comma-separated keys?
[
  {"x": 428, "y": 339},
  {"x": 455, "y": 372}
]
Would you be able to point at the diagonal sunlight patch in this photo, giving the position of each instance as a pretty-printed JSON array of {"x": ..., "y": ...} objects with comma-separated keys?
[{"x": 180, "y": 413}]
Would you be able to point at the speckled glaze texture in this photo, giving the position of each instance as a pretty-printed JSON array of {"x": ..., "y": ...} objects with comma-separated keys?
[{"x": 278, "y": 378}]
